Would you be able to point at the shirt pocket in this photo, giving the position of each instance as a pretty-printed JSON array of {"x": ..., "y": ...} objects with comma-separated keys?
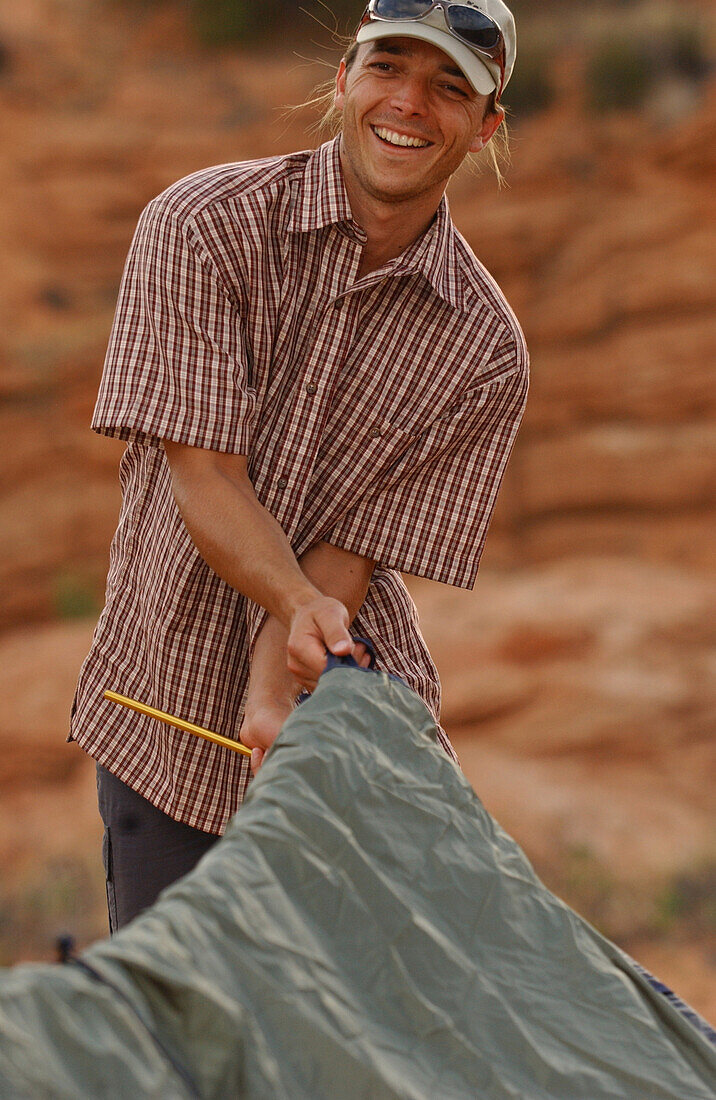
[
  {"x": 453, "y": 417},
  {"x": 382, "y": 443}
]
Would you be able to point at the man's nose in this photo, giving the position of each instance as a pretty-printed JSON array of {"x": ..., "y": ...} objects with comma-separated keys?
[{"x": 411, "y": 96}]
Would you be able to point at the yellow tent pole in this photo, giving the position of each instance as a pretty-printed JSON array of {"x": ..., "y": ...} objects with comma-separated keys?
[{"x": 170, "y": 720}]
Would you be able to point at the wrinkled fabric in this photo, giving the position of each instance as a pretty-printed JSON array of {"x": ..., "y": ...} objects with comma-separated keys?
[{"x": 365, "y": 930}]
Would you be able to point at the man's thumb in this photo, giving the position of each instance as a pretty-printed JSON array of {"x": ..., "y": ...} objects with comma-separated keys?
[{"x": 337, "y": 639}]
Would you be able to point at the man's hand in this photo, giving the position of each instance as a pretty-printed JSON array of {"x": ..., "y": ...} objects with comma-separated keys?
[
  {"x": 273, "y": 687},
  {"x": 322, "y": 623},
  {"x": 315, "y": 627},
  {"x": 261, "y": 726}
]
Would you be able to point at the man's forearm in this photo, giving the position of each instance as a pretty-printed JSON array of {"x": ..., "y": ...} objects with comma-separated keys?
[
  {"x": 334, "y": 572},
  {"x": 234, "y": 533},
  {"x": 338, "y": 573},
  {"x": 244, "y": 544}
]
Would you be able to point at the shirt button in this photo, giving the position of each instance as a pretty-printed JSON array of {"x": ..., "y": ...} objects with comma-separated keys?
[
  {"x": 338, "y": 303},
  {"x": 311, "y": 388},
  {"x": 282, "y": 482},
  {"x": 374, "y": 433}
]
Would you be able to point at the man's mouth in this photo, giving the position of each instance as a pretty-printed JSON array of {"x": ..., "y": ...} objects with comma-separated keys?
[{"x": 390, "y": 137}]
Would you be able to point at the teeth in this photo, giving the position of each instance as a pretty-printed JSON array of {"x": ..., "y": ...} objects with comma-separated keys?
[{"x": 399, "y": 139}]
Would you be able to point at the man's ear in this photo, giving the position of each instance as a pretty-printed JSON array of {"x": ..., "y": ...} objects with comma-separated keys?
[
  {"x": 339, "y": 95},
  {"x": 490, "y": 123}
]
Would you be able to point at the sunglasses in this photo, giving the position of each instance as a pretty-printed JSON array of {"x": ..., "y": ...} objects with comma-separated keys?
[{"x": 465, "y": 23}]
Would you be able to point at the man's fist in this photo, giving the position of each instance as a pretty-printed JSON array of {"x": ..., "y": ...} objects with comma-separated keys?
[
  {"x": 261, "y": 726},
  {"x": 280, "y": 666},
  {"x": 317, "y": 626}
]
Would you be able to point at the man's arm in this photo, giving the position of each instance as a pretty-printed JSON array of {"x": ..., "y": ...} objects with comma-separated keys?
[
  {"x": 247, "y": 548},
  {"x": 272, "y": 688},
  {"x": 244, "y": 544},
  {"x": 310, "y": 605}
]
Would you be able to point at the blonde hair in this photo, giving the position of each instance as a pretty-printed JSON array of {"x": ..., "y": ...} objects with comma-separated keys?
[{"x": 496, "y": 153}]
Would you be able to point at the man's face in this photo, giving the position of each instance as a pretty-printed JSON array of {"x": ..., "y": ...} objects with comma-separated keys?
[{"x": 403, "y": 89}]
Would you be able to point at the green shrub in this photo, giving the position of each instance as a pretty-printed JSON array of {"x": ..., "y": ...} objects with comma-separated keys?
[
  {"x": 219, "y": 22},
  {"x": 75, "y": 596},
  {"x": 225, "y": 22},
  {"x": 688, "y": 901},
  {"x": 624, "y": 70},
  {"x": 619, "y": 73},
  {"x": 688, "y": 48},
  {"x": 530, "y": 88}
]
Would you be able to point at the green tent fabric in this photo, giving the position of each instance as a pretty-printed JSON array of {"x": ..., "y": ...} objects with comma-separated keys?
[{"x": 364, "y": 930}]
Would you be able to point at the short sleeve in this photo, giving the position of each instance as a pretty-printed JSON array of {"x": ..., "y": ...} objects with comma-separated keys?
[
  {"x": 176, "y": 363},
  {"x": 432, "y": 519}
]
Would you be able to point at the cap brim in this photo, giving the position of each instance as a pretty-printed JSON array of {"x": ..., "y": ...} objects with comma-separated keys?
[{"x": 476, "y": 73}]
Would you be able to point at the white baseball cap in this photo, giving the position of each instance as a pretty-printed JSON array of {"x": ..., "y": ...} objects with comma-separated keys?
[{"x": 484, "y": 73}]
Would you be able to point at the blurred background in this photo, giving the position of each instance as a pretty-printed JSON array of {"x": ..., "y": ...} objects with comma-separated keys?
[{"x": 579, "y": 676}]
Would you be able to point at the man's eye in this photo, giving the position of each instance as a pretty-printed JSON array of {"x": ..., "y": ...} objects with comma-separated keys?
[
  {"x": 454, "y": 89},
  {"x": 382, "y": 66}
]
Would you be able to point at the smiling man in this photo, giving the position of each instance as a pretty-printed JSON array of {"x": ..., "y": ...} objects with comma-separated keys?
[{"x": 319, "y": 386}]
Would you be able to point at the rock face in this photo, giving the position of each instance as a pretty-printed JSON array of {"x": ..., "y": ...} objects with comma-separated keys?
[
  {"x": 604, "y": 661},
  {"x": 579, "y": 677},
  {"x": 605, "y": 241},
  {"x": 607, "y": 247}
]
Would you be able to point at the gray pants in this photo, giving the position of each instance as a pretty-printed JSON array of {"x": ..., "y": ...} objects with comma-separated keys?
[{"x": 143, "y": 849}]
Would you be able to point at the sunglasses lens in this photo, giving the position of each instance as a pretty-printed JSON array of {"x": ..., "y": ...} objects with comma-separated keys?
[
  {"x": 467, "y": 23},
  {"x": 473, "y": 27},
  {"x": 401, "y": 9}
]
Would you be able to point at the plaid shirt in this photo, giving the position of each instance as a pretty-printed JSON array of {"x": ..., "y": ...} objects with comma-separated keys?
[{"x": 377, "y": 414}]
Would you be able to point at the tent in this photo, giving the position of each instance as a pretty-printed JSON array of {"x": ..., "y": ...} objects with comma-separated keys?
[{"x": 366, "y": 930}]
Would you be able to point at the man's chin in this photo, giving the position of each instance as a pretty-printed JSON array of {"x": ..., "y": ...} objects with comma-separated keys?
[
  {"x": 390, "y": 187},
  {"x": 392, "y": 182}
]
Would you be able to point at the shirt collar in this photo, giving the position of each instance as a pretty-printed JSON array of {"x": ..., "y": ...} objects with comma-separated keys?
[
  {"x": 435, "y": 256},
  {"x": 322, "y": 200}
]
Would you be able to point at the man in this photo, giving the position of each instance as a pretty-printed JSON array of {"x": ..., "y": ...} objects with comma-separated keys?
[{"x": 319, "y": 385}]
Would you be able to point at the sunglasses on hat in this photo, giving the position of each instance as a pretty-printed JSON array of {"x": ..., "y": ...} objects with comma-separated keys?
[{"x": 467, "y": 24}]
